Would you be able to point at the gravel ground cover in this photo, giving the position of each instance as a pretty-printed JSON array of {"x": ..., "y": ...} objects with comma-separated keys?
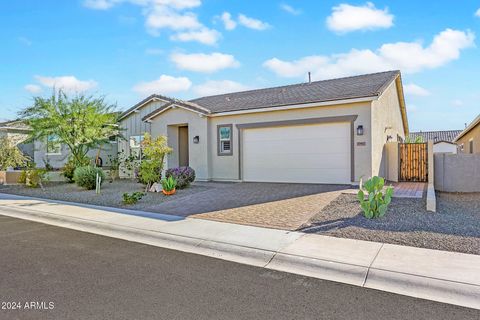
[
  {"x": 110, "y": 196},
  {"x": 454, "y": 227}
]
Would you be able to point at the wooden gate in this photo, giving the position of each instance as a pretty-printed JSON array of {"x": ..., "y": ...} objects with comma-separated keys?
[{"x": 413, "y": 162}]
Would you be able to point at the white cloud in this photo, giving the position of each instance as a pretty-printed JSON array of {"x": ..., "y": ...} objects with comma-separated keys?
[
  {"x": 409, "y": 57},
  {"x": 33, "y": 88},
  {"x": 66, "y": 83},
  {"x": 201, "y": 62},
  {"x": 289, "y": 9},
  {"x": 99, "y": 4},
  {"x": 204, "y": 35},
  {"x": 163, "y": 85},
  {"x": 415, "y": 90},
  {"x": 228, "y": 22},
  {"x": 252, "y": 23},
  {"x": 346, "y": 18},
  {"x": 477, "y": 13},
  {"x": 163, "y": 17},
  {"x": 167, "y": 15},
  {"x": 457, "y": 103},
  {"x": 212, "y": 87},
  {"x": 107, "y": 4}
]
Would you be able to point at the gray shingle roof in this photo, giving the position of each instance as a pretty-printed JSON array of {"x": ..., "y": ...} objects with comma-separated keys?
[
  {"x": 436, "y": 136},
  {"x": 362, "y": 86}
]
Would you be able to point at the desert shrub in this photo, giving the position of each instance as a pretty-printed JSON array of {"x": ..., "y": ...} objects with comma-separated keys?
[
  {"x": 69, "y": 169},
  {"x": 86, "y": 177},
  {"x": 169, "y": 184},
  {"x": 10, "y": 154},
  {"x": 150, "y": 171},
  {"x": 132, "y": 198},
  {"x": 183, "y": 175},
  {"x": 372, "y": 200}
]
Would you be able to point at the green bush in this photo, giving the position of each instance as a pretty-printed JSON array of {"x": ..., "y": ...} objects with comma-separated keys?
[
  {"x": 150, "y": 171},
  {"x": 69, "y": 169},
  {"x": 372, "y": 200},
  {"x": 86, "y": 177},
  {"x": 132, "y": 198},
  {"x": 33, "y": 178}
]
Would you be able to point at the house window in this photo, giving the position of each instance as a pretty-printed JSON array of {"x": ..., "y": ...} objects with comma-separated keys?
[
  {"x": 136, "y": 147},
  {"x": 470, "y": 146},
  {"x": 53, "y": 145},
  {"x": 224, "y": 135}
]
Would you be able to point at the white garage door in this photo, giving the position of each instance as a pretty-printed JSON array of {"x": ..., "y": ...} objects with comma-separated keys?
[{"x": 317, "y": 153}]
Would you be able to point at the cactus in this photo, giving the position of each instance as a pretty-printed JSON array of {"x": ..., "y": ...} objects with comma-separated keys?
[{"x": 372, "y": 200}]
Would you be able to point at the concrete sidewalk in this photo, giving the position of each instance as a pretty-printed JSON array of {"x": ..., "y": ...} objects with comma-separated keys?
[{"x": 430, "y": 274}]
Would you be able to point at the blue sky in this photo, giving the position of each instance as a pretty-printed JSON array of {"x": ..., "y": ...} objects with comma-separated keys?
[{"x": 127, "y": 49}]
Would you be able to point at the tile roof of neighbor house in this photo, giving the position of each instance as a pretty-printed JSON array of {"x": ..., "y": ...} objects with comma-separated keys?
[
  {"x": 436, "y": 136},
  {"x": 361, "y": 86},
  {"x": 14, "y": 125}
]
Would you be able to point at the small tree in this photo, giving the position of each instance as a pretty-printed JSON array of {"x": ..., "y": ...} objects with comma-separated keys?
[
  {"x": 80, "y": 122},
  {"x": 10, "y": 154},
  {"x": 154, "y": 152}
]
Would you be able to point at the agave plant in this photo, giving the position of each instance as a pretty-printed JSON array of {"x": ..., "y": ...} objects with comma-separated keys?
[
  {"x": 169, "y": 184},
  {"x": 372, "y": 200}
]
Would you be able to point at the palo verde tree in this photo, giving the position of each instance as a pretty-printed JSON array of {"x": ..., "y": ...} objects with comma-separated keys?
[{"x": 80, "y": 122}]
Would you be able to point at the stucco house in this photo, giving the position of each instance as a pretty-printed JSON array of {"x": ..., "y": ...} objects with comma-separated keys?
[
  {"x": 331, "y": 131},
  {"x": 469, "y": 139},
  {"x": 50, "y": 151},
  {"x": 442, "y": 140}
]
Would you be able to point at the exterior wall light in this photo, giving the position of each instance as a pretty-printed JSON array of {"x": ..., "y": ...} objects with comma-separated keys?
[
  {"x": 196, "y": 139},
  {"x": 360, "y": 130}
]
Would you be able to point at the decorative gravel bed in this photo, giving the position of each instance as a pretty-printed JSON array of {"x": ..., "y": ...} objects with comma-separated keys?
[
  {"x": 110, "y": 196},
  {"x": 454, "y": 227}
]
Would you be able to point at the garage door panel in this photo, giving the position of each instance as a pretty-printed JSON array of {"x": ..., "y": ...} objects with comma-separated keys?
[
  {"x": 304, "y": 153},
  {"x": 307, "y": 160},
  {"x": 301, "y": 175},
  {"x": 299, "y": 146}
]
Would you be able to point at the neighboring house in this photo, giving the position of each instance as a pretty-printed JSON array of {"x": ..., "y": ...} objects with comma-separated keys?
[
  {"x": 330, "y": 131},
  {"x": 17, "y": 132},
  {"x": 49, "y": 151},
  {"x": 442, "y": 140},
  {"x": 56, "y": 154},
  {"x": 469, "y": 139}
]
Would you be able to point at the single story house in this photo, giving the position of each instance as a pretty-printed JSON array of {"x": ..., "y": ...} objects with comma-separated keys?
[
  {"x": 50, "y": 151},
  {"x": 469, "y": 139},
  {"x": 442, "y": 140},
  {"x": 331, "y": 131}
]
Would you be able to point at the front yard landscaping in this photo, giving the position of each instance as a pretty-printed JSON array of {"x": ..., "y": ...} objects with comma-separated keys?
[
  {"x": 111, "y": 194},
  {"x": 454, "y": 227}
]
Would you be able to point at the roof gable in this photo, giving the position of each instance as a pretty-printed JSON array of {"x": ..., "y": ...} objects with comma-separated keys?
[{"x": 472, "y": 125}]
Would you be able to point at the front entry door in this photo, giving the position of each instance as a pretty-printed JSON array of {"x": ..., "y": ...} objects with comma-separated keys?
[{"x": 183, "y": 146}]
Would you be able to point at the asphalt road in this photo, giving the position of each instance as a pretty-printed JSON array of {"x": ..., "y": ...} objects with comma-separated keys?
[{"x": 74, "y": 275}]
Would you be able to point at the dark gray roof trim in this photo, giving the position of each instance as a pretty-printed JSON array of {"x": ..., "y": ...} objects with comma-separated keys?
[
  {"x": 436, "y": 136},
  {"x": 186, "y": 105}
]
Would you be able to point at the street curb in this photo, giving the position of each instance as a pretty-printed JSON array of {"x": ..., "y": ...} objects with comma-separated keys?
[{"x": 441, "y": 290}]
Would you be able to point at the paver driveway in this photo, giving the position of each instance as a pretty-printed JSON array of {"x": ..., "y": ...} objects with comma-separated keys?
[{"x": 272, "y": 205}]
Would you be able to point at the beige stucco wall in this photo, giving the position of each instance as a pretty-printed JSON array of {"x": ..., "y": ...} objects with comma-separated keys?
[
  {"x": 166, "y": 124},
  {"x": 465, "y": 140},
  {"x": 386, "y": 121},
  {"x": 227, "y": 167},
  {"x": 391, "y": 161}
]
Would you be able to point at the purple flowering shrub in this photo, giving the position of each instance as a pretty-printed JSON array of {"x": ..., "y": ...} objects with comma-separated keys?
[{"x": 183, "y": 175}]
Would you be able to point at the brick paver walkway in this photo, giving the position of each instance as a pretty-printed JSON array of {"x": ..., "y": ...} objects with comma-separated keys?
[{"x": 271, "y": 205}]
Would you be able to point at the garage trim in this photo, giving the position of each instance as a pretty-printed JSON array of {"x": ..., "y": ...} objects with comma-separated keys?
[{"x": 348, "y": 118}]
